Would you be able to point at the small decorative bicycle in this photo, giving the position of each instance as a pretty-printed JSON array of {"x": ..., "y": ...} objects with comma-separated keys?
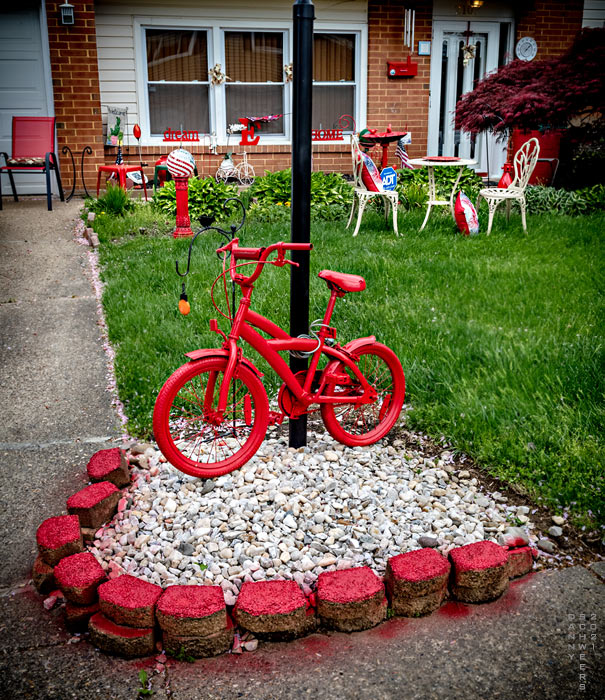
[
  {"x": 212, "y": 414},
  {"x": 243, "y": 172}
]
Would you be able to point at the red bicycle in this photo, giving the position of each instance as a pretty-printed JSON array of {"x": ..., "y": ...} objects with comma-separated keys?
[{"x": 212, "y": 414}]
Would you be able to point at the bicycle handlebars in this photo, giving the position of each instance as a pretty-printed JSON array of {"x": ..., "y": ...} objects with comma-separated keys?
[{"x": 260, "y": 255}]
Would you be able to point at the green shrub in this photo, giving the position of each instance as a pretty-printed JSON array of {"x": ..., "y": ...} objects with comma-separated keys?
[
  {"x": 331, "y": 196},
  {"x": 544, "y": 200},
  {"x": 206, "y": 198},
  {"x": 115, "y": 202},
  {"x": 412, "y": 183}
]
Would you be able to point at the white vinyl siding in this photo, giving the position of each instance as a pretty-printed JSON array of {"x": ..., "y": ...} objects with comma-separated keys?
[
  {"x": 594, "y": 13},
  {"x": 121, "y": 48}
]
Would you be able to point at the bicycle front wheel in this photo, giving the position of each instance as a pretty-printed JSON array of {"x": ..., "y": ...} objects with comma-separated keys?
[
  {"x": 189, "y": 431},
  {"x": 364, "y": 424}
]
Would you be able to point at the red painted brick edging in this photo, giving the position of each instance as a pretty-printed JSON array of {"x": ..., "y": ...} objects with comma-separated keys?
[{"x": 194, "y": 620}]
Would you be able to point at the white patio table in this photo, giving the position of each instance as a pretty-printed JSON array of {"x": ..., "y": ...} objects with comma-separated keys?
[{"x": 440, "y": 162}]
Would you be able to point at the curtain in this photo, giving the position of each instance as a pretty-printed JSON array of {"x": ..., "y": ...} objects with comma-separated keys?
[
  {"x": 254, "y": 57},
  {"x": 333, "y": 57},
  {"x": 177, "y": 55}
]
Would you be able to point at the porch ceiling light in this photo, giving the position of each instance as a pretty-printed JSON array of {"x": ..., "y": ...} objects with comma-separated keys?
[{"x": 67, "y": 13}]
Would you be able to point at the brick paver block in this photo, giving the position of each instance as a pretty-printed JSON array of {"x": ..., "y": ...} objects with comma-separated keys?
[
  {"x": 43, "y": 576},
  {"x": 273, "y": 609},
  {"x": 109, "y": 465},
  {"x": 520, "y": 561},
  {"x": 416, "y": 582},
  {"x": 351, "y": 599},
  {"x": 480, "y": 572},
  {"x": 77, "y": 616},
  {"x": 192, "y": 611},
  {"x": 78, "y": 576},
  {"x": 129, "y": 601},
  {"x": 94, "y": 504},
  {"x": 119, "y": 639},
  {"x": 59, "y": 537},
  {"x": 198, "y": 647}
]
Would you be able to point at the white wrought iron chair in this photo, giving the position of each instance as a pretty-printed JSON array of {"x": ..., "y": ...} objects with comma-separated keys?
[
  {"x": 363, "y": 194},
  {"x": 525, "y": 162}
]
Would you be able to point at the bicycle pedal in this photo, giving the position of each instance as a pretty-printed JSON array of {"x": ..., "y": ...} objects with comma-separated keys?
[{"x": 276, "y": 418}]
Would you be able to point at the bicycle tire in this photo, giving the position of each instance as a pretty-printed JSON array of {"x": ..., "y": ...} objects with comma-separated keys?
[
  {"x": 182, "y": 422},
  {"x": 365, "y": 424}
]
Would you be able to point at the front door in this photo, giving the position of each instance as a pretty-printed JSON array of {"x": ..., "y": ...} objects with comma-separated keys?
[{"x": 462, "y": 53}]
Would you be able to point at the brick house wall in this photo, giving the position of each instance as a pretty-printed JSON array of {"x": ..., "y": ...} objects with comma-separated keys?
[
  {"x": 552, "y": 24},
  {"x": 401, "y": 102},
  {"x": 75, "y": 77}
]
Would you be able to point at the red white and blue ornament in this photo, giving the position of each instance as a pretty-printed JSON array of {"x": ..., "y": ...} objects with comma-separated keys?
[{"x": 180, "y": 163}]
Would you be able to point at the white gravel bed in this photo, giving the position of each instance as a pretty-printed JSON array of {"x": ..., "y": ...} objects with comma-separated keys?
[{"x": 293, "y": 514}]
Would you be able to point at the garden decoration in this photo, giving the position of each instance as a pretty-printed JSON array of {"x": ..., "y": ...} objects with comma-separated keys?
[
  {"x": 401, "y": 152},
  {"x": 507, "y": 175},
  {"x": 465, "y": 215},
  {"x": 211, "y": 415},
  {"x": 383, "y": 139},
  {"x": 86, "y": 150},
  {"x": 181, "y": 164},
  {"x": 243, "y": 172}
]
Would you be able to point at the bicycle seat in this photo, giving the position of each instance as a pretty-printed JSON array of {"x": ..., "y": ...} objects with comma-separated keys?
[{"x": 342, "y": 281}]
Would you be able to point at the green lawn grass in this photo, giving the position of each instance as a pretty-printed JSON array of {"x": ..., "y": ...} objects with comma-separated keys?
[{"x": 500, "y": 337}]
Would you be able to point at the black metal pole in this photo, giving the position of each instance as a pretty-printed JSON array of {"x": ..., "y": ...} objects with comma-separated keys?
[{"x": 302, "y": 69}]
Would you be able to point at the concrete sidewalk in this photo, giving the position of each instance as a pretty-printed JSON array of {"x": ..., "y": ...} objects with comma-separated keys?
[{"x": 56, "y": 412}]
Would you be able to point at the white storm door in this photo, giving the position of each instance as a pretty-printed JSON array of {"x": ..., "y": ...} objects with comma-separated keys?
[{"x": 450, "y": 79}]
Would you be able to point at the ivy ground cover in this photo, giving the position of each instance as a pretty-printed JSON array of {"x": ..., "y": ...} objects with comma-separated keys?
[{"x": 500, "y": 337}]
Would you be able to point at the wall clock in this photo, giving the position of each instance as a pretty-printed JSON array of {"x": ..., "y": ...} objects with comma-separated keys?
[{"x": 526, "y": 48}]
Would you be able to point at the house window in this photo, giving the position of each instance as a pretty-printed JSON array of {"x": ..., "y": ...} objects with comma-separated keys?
[
  {"x": 177, "y": 80},
  {"x": 180, "y": 95},
  {"x": 334, "y": 78},
  {"x": 254, "y": 62}
]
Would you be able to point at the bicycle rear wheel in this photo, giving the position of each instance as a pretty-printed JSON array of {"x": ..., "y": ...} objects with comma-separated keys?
[
  {"x": 365, "y": 424},
  {"x": 188, "y": 430}
]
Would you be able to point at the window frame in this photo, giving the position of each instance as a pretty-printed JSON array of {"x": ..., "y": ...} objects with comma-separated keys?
[
  {"x": 216, "y": 54},
  {"x": 360, "y": 75},
  {"x": 145, "y": 95}
]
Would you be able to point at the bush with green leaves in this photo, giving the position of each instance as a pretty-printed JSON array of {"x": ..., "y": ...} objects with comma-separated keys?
[
  {"x": 115, "y": 202},
  {"x": 413, "y": 185},
  {"x": 206, "y": 198},
  {"x": 547, "y": 200},
  {"x": 331, "y": 196}
]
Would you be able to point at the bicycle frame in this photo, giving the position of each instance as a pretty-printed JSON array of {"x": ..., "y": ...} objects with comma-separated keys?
[{"x": 244, "y": 323}]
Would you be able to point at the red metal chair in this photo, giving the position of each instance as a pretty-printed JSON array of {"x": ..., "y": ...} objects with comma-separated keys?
[{"x": 33, "y": 145}]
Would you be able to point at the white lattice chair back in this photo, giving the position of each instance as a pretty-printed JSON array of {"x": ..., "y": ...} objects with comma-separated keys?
[
  {"x": 525, "y": 162},
  {"x": 357, "y": 161}
]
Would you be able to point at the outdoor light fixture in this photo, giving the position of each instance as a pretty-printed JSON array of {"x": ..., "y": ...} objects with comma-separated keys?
[
  {"x": 476, "y": 4},
  {"x": 67, "y": 13}
]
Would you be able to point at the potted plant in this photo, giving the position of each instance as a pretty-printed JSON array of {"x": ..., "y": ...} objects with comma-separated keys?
[{"x": 542, "y": 99}]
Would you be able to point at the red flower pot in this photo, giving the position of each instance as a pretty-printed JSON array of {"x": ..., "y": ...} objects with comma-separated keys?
[{"x": 550, "y": 142}]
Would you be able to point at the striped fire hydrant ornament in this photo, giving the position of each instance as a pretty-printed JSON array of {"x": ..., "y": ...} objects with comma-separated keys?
[{"x": 181, "y": 164}]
